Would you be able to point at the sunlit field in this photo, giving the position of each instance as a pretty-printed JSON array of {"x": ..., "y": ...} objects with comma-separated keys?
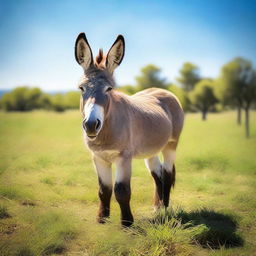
[{"x": 49, "y": 192}]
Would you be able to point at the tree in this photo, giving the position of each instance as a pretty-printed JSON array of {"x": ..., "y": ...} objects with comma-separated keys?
[
  {"x": 180, "y": 94},
  {"x": 25, "y": 99},
  {"x": 128, "y": 89},
  {"x": 238, "y": 87},
  {"x": 57, "y": 102},
  {"x": 189, "y": 76},
  {"x": 150, "y": 77},
  {"x": 249, "y": 96},
  {"x": 22, "y": 99},
  {"x": 71, "y": 100},
  {"x": 203, "y": 97}
]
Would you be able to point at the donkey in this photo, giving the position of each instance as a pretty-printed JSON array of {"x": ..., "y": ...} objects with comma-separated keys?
[{"x": 118, "y": 127}]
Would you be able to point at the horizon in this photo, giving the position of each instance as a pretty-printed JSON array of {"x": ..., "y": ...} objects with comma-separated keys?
[{"x": 37, "y": 46}]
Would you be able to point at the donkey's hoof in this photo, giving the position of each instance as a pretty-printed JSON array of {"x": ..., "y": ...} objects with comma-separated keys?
[
  {"x": 103, "y": 220},
  {"x": 158, "y": 207},
  {"x": 126, "y": 223}
]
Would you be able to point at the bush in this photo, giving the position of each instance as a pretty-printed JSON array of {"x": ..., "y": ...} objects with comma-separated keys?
[
  {"x": 24, "y": 99},
  {"x": 71, "y": 100},
  {"x": 181, "y": 95},
  {"x": 128, "y": 89},
  {"x": 57, "y": 102}
]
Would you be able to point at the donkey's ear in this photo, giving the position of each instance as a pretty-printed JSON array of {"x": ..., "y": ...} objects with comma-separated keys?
[
  {"x": 115, "y": 54},
  {"x": 83, "y": 52}
]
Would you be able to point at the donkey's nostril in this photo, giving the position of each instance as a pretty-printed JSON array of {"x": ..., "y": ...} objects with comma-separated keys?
[
  {"x": 92, "y": 126},
  {"x": 97, "y": 125}
]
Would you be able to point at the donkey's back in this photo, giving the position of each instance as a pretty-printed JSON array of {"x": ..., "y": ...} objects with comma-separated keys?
[{"x": 166, "y": 105}]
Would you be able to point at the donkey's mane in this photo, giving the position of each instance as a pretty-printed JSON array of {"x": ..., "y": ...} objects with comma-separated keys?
[
  {"x": 98, "y": 75},
  {"x": 100, "y": 60}
]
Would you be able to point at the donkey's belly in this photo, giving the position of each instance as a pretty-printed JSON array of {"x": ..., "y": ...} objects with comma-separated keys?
[
  {"x": 150, "y": 146},
  {"x": 147, "y": 152}
]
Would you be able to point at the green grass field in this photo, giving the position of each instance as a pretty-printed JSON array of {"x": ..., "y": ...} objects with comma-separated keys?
[{"x": 48, "y": 192}]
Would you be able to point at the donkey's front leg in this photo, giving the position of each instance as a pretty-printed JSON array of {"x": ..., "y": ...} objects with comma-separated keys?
[
  {"x": 105, "y": 187},
  {"x": 123, "y": 189}
]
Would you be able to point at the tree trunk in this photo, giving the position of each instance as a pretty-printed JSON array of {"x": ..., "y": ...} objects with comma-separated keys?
[
  {"x": 204, "y": 115},
  {"x": 239, "y": 115},
  {"x": 247, "y": 123}
]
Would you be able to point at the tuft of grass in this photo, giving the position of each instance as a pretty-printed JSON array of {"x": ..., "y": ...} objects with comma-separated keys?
[
  {"x": 147, "y": 238},
  {"x": 48, "y": 181},
  {"x": 24, "y": 251},
  {"x": 43, "y": 161},
  {"x": 16, "y": 193},
  {"x": 4, "y": 212},
  {"x": 171, "y": 237},
  {"x": 218, "y": 229},
  {"x": 70, "y": 182}
]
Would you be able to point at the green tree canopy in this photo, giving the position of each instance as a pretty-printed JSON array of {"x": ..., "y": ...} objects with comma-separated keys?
[
  {"x": 150, "y": 77},
  {"x": 237, "y": 86},
  {"x": 57, "y": 102},
  {"x": 71, "y": 100},
  {"x": 234, "y": 78},
  {"x": 189, "y": 76},
  {"x": 203, "y": 97},
  {"x": 128, "y": 89},
  {"x": 181, "y": 95},
  {"x": 23, "y": 99}
]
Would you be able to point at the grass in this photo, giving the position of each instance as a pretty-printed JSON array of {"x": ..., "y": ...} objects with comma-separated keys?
[
  {"x": 218, "y": 229},
  {"x": 4, "y": 212},
  {"x": 45, "y": 234},
  {"x": 49, "y": 201}
]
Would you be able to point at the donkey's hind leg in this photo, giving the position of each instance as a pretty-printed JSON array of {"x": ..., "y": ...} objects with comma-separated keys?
[
  {"x": 155, "y": 167},
  {"x": 168, "y": 171}
]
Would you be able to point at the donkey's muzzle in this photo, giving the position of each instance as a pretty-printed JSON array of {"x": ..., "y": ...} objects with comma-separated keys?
[{"x": 92, "y": 126}]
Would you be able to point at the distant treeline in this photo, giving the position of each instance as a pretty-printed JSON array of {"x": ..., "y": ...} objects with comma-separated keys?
[
  {"x": 25, "y": 99},
  {"x": 234, "y": 88}
]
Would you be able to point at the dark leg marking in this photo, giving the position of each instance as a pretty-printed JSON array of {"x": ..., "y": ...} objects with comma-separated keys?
[
  {"x": 105, "y": 193},
  {"x": 123, "y": 196},
  {"x": 163, "y": 186},
  {"x": 168, "y": 182},
  {"x": 158, "y": 190}
]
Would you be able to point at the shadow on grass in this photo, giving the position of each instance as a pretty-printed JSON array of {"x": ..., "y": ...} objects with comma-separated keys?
[{"x": 219, "y": 230}]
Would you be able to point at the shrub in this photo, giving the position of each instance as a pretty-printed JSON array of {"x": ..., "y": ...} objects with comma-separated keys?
[{"x": 23, "y": 99}]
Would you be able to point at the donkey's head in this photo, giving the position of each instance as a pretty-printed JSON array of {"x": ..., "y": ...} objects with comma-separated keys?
[{"x": 97, "y": 82}]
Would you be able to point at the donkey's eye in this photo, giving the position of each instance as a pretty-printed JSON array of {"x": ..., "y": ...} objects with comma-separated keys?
[
  {"x": 109, "y": 89},
  {"x": 81, "y": 88}
]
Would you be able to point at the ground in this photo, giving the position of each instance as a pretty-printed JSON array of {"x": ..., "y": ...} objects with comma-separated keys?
[{"x": 48, "y": 192}]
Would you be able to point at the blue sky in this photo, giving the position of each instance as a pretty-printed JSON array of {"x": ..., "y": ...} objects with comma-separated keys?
[{"x": 37, "y": 37}]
